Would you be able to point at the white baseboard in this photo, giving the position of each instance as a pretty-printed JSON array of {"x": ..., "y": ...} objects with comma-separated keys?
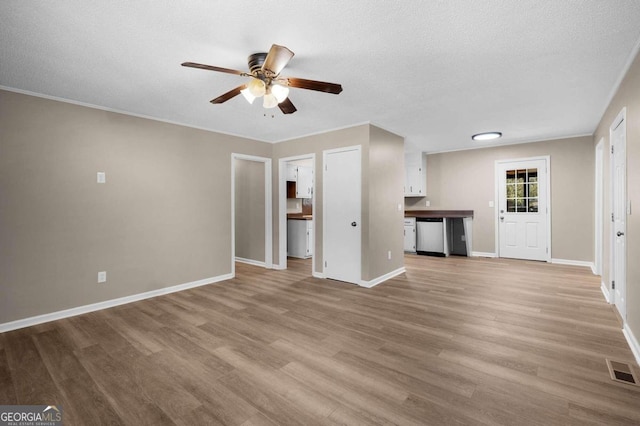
[
  {"x": 53, "y": 316},
  {"x": 278, "y": 267},
  {"x": 318, "y": 275},
  {"x": 383, "y": 278},
  {"x": 482, "y": 254},
  {"x": 250, "y": 261},
  {"x": 605, "y": 292},
  {"x": 593, "y": 269},
  {"x": 633, "y": 342},
  {"x": 573, "y": 263}
]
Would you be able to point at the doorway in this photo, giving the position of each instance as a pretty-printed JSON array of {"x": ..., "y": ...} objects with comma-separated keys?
[
  {"x": 523, "y": 214},
  {"x": 618, "y": 140},
  {"x": 297, "y": 221},
  {"x": 251, "y": 217},
  {"x": 341, "y": 189}
]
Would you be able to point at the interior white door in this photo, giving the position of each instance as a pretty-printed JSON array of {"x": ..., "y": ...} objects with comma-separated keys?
[
  {"x": 619, "y": 180},
  {"x": 523, "y": 209},
  {"x": 342, "y": 214}
]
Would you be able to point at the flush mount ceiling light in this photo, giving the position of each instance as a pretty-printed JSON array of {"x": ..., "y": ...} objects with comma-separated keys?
[{"x": 486, "y": 136}]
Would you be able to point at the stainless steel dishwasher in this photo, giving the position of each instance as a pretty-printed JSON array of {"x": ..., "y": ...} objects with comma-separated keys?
[{"x": 430, "y": 236}]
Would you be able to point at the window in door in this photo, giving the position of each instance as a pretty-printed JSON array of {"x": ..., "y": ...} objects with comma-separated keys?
[{"x": 522, "y": 190}]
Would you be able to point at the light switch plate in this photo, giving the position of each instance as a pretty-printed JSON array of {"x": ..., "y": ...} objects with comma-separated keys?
[
  {"x": 102, "y": 177},
  {"x": 102, "y": 277},
  {"x": 427, "y": 203},
  {"x": 490, "y": 203}
]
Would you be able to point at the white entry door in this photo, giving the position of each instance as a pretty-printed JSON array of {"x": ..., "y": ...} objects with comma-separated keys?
[
  {"x": 523, "y": 209},
  {"x": 341, "y": 214},
  {"x": 619, "y": 180}
]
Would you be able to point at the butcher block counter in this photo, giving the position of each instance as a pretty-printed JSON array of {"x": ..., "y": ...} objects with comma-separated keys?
[{"x": 439, "y": 213}]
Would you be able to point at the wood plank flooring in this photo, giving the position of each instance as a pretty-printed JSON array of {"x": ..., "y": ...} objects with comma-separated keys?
[{"x": 454, "y": 341}]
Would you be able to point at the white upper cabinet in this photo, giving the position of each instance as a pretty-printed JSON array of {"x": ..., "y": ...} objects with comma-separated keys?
[
  {"x": 304, "y": 182},
  {"x": 303, "y": 178},
  {"x": 415, "y": 182}
]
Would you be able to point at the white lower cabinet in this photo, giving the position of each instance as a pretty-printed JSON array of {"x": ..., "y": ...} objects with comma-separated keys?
[
  {"x": 300, "y": 238},
  {"x": 410, "y": 234}
]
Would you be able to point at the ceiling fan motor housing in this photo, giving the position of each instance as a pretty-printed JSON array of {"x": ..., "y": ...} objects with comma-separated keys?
[{"x": 255, "y": 62}]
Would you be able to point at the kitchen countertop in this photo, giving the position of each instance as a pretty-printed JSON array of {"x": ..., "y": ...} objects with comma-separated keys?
[
  {"x": 438, "y": 213},
  {"x": 299, "y": 216}
]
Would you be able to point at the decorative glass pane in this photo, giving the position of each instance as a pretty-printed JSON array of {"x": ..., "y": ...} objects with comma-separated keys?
[
  {"x": 511, "y": 205},
  {"x": 521, "y": 176},
  {"x": 533, "y": 206},
  {"x": 511, "y": 176},
  {"x": 520, "y": 190},
  {"x": 511, "y": 191},
  {"x": 533, "y": 190},
  {"x": 521, "y": 205},
  {"x": 532, "y": 175}
]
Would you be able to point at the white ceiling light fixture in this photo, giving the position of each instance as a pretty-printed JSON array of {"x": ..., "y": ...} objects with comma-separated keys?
[
  {"x": 486, "y": 136},
  {"x": 270, "y": 100},
  {"x": 280, "y": 92}
]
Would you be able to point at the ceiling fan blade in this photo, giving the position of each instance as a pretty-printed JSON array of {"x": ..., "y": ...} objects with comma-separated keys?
[
  {"x": 230, "y": 94},
  {"x": 212, "y": 68},
  {"x": 320, "y": 86},
  {"x": 287, "y": 107},
  {"x": 277, "y": 58}
]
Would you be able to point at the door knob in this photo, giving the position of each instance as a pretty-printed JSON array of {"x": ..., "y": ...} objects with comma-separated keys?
[
  {"x": 619, "y": 234},
  {"x": 502, "y": 218},
  {"x": 353, "y": 224}
]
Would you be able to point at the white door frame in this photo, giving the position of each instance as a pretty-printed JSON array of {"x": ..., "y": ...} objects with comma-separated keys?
[
  {"x": 547, "y": 159},
  {"x": 599, "y": 206},
  {"x": 268, "y": 222},
  {"x": 622, "y": 116},
  {"x": 282, "y": 208}
]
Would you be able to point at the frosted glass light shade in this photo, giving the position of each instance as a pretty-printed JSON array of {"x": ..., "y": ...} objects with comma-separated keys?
[
  {"x": 248, "y": 95},
  {"x": 270, "y": 101},
  {"x": 256, "y": 87},
  {"x": 280, "y": 92}
]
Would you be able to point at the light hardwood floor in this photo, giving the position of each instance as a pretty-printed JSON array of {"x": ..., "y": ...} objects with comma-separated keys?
[{"x": 453, "y": 341}]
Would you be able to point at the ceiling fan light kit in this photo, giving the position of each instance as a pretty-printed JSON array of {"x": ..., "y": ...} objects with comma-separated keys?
[{"x": 264, "y": 72}]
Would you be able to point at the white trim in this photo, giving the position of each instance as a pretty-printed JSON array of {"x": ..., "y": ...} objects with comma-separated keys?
[
  {"x": 570, "y": 262},
  {"x": 251, "y": 262},
  {"x": 123, "y": 112},
  {"x": 499, "y": 145},
  {"x": 282, "y": 207},
  {"x": 278, "y": 267},
  {"x": 482, "y": 254},
  {"x": 268, "y": 209},
  {"x": 321, "y": 132},
  {"x": 79, "y": 310},
  {"x": 318, "y": 275},
  {"x": 599, "y": 208},
  {"x": 633, "y": 342},
  {"x": 605, "y": 292},
  {"x": 547, "y": 159},
  {"x": 382, "y": 278},
  {"x": 623, "y": 74}
]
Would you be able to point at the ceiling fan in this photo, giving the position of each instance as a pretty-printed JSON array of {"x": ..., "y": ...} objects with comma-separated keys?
[{"x": 266, "y": 82}]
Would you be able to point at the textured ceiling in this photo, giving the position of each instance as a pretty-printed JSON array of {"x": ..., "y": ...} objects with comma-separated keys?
[{"x": 435, "y": 72}]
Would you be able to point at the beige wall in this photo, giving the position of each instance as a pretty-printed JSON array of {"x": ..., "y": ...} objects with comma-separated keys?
[
  {"x": 378, "y": 223},
  {"x": 314, "y": 144},
  {"x": 382, "y": 198},
  {"x": 628, "y": 95},
  {"x": 249, "y": 209},
  {"x": 466, "y": 180},
  {"x": 161, "y": 219}
]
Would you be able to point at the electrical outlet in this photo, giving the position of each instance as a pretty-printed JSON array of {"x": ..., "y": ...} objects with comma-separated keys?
[
  {"x": 389, "y": 255},
  {"x": 102, "y": 277},
  {"x": 490, "y": 203},
  {"x": 427, "y": 203},
  {"x": 102, "y": 177}
]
